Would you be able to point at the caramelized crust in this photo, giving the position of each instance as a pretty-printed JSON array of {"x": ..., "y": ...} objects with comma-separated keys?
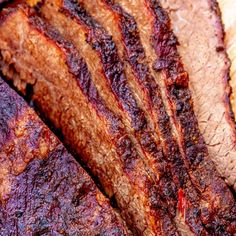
[
  {"x": 209, "y": 78},
  {"x": 42, "y": 188},
  {"x": 137, "y": 106}
]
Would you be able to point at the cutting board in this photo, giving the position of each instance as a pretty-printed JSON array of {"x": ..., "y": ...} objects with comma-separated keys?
[{"x": 228, "y": 10}]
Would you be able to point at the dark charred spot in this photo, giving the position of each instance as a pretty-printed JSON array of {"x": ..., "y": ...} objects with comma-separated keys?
[
  {"x": 4, "y": 131},
  {"x": 147, "y": 142},
  {"x": 220, "y": 48},
  {"x": 161, "y": 64},
  {"x": 179, "y": 107},
  {"x": 169, "y": 193},
  {"x": 113, "y": 202},
  {"x": 10, "y": 107},
  {"x": 199, "y": 158},
  {"x": 161, "y": 15},
  {"x": 139, "y": 122},
  {"x": 155, "y": 198},
  {"x": 19, "y": 214},
  {"x": 42, "y": 232},
  {"x": 127, "y": 152},
  {"x": 114, "y": 232},
  {"x": 41, "y": 227}
]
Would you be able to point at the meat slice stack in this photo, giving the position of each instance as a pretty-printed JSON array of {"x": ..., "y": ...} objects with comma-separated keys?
[
  {"x": 43, "y": 191},
  {"x": 119, "y": 94},
  {"x": 149, "y": 96},
  {"x": 200, "y": 35}
]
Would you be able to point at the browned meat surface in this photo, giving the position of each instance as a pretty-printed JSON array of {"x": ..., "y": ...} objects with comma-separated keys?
[
  {"x": 64, "y": 14},
  {"x": 125, "y": 107},
  {"x": 99, "y": 51},
  {"x": 116, "y": 86},
  {"x": 43, "y": 191},
  {"x": 34, "y": 54},
  {"x": 208, "y": 77}
]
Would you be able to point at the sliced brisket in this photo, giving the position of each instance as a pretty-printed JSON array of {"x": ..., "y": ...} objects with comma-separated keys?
[
  {"x": 124, "y": 30},
  {"x": 125, "y": 108},
  {"x": 209, "y": 75},
  {"x": 202, "y": 170},
  {"x": 43, "y": 191},
  {"x": 33, "y": 53},
  {"x": 113, "y": 82}
]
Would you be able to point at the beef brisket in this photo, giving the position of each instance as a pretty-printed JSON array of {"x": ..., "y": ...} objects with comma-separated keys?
[
  {"x": 43, "y": 191},
  {"x": 113, "y": 81},
  {"x": 64, "y": 90},
  {"x": 203, "y": 172},
  {"x": 87, "y": 33},
  {"x": 128, "y": 94},
  {"x": 208, "y": 78}
]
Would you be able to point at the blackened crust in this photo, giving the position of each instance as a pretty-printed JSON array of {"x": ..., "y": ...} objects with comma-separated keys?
[
  {"x": 114, "y": 72},
  {"x": 79, "y": 69},
  {"x": 50, "y": 197},
  {"x": 113, "y": 67}
]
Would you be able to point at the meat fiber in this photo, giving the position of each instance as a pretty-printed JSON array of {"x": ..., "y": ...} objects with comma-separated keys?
[
  {"x": 43, "y": 190},
  {"x": 96, "y": 45},
  {"x": 124, "y": 30},
  {"x": 203, "y": 172}
]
